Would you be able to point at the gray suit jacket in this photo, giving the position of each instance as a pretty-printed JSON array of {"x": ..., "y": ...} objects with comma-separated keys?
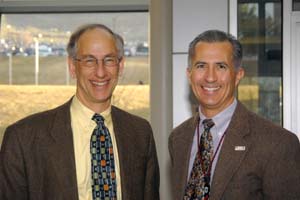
[
  {"x": 38, "y": 163},
  {"x": 268, "y": 168}
]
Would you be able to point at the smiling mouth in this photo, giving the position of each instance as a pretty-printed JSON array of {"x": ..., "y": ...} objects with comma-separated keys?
[
  {"x": 210, "y": 89},
  {"x": 100, "y": 83}
]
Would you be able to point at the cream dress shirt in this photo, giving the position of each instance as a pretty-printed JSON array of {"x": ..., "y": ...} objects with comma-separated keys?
[{"x": 82, "y": 127}]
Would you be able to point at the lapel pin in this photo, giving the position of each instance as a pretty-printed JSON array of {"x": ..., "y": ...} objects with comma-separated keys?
[{"x": 239, "y": 148}]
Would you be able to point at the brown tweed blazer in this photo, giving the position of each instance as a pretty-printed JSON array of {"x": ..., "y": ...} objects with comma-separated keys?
[
  {"x": 268, "y": 168},
  {"x": 38, "y": 163}
]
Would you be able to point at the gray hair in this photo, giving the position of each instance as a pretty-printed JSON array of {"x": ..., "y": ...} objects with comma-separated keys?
[
  {"x": 212, "y": 36},
  {"x": 73, "y": 41}
]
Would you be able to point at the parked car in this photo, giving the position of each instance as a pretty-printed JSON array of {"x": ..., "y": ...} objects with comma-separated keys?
[
  {"x": 45, "y": 50},
  {"x": 127, "y": 52},
  {"x": 142, "y": 50},
  {"x": 59, "y": 51}
]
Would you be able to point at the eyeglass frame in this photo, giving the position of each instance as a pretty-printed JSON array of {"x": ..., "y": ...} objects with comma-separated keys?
[{"x": 96, "y": 61}]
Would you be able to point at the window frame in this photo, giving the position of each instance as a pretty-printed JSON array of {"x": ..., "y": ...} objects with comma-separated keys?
[
  {"x": 288, "y": 82},
  {"x": 64, "y": 6}
]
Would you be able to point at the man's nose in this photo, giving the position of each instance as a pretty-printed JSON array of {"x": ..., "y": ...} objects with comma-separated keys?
[
  {"x": 211, "y": 75},
  {"x": 100, "y": 68}
]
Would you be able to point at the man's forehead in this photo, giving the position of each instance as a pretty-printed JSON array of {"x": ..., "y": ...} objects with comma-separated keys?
[
  {"x": 215, "y": 44},
  {"x": 96, "y": 33},
  {"x": 213, "y": 52},
  {"x": 213, "y": 48}
]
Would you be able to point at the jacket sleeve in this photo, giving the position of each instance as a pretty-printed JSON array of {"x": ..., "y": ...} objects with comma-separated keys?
[
  {"x": 282, "y": 173},
  {"x": 12, "y": 167},
  {"x": 152, "y": 173}
]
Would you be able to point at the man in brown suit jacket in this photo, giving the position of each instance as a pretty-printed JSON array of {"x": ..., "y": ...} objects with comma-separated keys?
[
  {"x": 255, "y": 159},
  {"x": 39, "y": 154}
]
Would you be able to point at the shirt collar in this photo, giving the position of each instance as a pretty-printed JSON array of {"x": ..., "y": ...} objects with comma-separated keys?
[
  {"x": 85, "y": 114},
  {"x": 222, "y": 119}
]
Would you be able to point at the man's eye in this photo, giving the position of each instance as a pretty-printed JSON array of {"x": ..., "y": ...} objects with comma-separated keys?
[
  {"x": 108, "y": 60},
  {"x": 222, "y": 66},
  {"x": 199, "y": 66},
  {"x": 89, "y": 61}
]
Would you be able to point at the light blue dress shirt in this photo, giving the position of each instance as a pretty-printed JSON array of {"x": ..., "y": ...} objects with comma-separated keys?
[{"x": 221, "y": 121}]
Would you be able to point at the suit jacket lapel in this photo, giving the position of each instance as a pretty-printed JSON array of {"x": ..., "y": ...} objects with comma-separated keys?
[
  {"x": 233, "y": 151},
  {"x": 185, "y": 141},
  {"x": 124, "y": 142},
  {"x": 61, "y": 152}
]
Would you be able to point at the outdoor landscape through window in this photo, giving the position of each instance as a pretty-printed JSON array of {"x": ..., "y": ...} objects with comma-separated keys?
[{"x": 33, "y": 66}]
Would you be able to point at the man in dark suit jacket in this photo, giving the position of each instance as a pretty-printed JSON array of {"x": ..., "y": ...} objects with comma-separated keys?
[
  {"x": 255, "y": 158},
  {"x": 39, "y": 154}
]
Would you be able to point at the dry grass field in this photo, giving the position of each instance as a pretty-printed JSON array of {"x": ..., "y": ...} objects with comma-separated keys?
[{"x": 17, "y": 102}]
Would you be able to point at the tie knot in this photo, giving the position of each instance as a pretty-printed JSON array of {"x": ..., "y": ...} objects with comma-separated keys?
[
  {"x": 98, "y": 118},
  {"x": 208, "y": 123}
]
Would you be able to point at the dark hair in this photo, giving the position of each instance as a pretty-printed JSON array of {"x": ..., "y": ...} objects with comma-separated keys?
[
  {"x": 73, "y": 41},
  {"x": 212, "y": 36}
]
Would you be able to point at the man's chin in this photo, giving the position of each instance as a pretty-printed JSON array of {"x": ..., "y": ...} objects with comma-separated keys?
[{"x": 103, "y": 99}]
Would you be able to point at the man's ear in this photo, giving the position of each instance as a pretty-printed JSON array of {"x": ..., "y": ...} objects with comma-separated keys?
[
  {"x": 188, "y": 73},
  {"x": 72, "y": 67},
  {"x": 239, "y": 75},
  {"x": 121, "y": 66}
]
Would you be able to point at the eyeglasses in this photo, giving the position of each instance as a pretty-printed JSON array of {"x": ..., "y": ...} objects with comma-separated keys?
[{"x": 92, "y": 62}]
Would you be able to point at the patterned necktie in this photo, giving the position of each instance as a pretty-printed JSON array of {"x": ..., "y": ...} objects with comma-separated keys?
[
  {"x": 103, "y": 166},
  {"x": 198, "y": 186}
]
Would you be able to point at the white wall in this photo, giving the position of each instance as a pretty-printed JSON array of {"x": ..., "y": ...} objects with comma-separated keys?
[
  {"x": 295, "y": 73},
  {"x": 161, "y": 86},
  {"x": 291, "y": 72},
  {"x": 190, "y": 18}
]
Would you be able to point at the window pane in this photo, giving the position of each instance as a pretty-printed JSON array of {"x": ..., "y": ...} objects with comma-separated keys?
[
  {"x": 33, "y": 69},
  {"x": 260, "y": 32},
  {"x": 296, "y": 5}
]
